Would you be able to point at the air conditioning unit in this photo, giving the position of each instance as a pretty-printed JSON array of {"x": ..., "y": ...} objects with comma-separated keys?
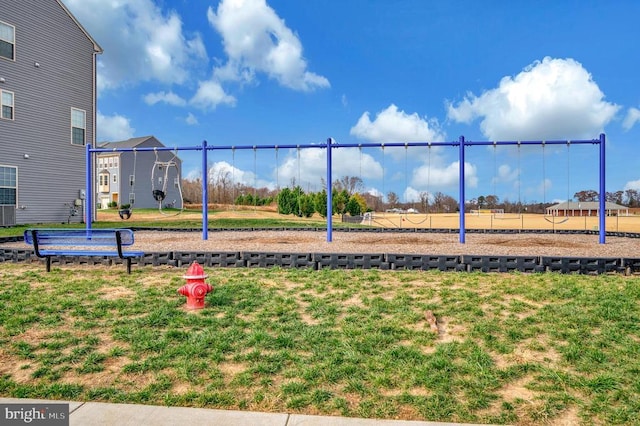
[{"x": 7, "y": 215}]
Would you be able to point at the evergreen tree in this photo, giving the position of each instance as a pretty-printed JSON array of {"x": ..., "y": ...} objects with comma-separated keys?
[
  {"x": 284, "y": 205},
  {"x": 306, "y": 206},
  {"x": 320, "y": 202},
  {"x": 353, "y": 207}
]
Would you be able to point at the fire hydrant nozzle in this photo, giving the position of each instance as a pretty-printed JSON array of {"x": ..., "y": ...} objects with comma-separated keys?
[{"x": 195, "y": 289}]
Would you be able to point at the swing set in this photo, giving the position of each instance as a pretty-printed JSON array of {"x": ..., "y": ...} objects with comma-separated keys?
[
  {"x": 554, "y": 219},
  {"x": 406, "y": 177},
  {"x": 162, "y": 181},
  {"x": 160, "y": 176},
  {"x": 501, "y": 216},
  {"x": 461, "y": 144}
]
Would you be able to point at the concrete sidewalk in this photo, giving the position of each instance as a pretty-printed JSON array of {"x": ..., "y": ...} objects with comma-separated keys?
[{"x": 107, "y": 414}]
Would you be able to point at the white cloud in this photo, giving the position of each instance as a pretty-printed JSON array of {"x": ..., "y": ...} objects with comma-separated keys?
[
  {"x": 633, "y": 116},
  {"x": 234, "y": 176},
  {"x": 634, "y": 184},
  {"x": 443, "y": 176},
  {"x": 375, "y": 192},
  {"x": 164, "y": 97},
  {"x": 113, "y": 128},
  {"x": 194, "y": 174},
  {"x": 256, "y": 40},
  {"x": 210, "y": 94},
  {"x": 140, "y": 42},
  {"x": 544, "y": 186},
  {"x": 506, "y": 174},
  {"x": 392, "y": 125},
  {"x": 311, "y": 167},
  {"x": 554, "y": 98},
  {"x": 191, "y": 119},
  {"x": 411, "y": 195}
]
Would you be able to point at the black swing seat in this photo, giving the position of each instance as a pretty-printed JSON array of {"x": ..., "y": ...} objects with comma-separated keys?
[
  {"x": 158, "y": 195},
  {"x": 124, "y": 213}
]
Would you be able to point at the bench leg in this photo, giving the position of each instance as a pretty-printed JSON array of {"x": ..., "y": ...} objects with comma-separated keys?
[
  {"x": 48, "y": 263},
  {"x": 128, "y": 265}
]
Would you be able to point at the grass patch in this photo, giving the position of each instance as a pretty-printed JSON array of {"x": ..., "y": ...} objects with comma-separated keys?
[
  {"x": 511, "y": 348},
  {"x": 188, "y": 219}
]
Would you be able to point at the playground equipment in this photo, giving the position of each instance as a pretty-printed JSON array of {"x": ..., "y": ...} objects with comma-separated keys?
[
  {"x": 553, "y": 219},
  {"x": 125, "y": 213},
  {"x": 160, "y": 194},
  {"x": 501, "y": 215},
  {"x": 195, "y": 289},
  {"x": 461, "y": 144},
  {"x": 406, "y": 185}
]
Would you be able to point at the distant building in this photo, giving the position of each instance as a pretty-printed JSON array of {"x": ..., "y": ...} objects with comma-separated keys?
[
  {"x": 586, "y": 208},
  {"x": 47, "y": 111},
  {"x": 132, "y": 177}
]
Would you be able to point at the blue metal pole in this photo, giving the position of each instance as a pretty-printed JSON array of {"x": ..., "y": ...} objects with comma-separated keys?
[
  {"x": 88, "y": 208},
  {"x": 329, "y": 194},
  {"x": 462, "y": 224},
  {"x": 205, "y": 193},
  {"x": 603, "y": 224}
]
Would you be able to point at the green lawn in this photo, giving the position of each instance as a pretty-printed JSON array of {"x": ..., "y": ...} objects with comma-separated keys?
[
  {"x": 511, "y": 348},
  {"x": 188, "y": 219}
]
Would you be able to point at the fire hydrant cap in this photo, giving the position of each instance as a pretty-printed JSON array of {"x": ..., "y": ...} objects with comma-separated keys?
[{"x": 195, "y": 272}]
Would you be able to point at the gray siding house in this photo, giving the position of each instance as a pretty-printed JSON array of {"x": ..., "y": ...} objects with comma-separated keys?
[
  {"x": 130, "y": 177},
  {"x": 47, "y": 116}
]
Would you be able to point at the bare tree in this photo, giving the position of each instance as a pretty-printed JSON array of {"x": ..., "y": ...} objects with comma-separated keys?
[
  {"x": 392, "y": 199},
  {"x": 352, "y": 184},
  {"x": 424, "y": 201},
  {"x": 614, "y": 197},
  {"x": 220, "y": 182},
  {"x": 586, "y": 195},
  {"x": 444, "y": 203},
  {"x": 492, "y": 201},
  {"x": 192, "y": 190},
  {"x": 632, "y": 197}
]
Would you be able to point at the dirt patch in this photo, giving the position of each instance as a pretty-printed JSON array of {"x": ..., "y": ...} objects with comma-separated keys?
[
  {"x": 517, "y": 390},
  {"x": 448, "y": 333},
  {"x": 533, "y": 242},
  {"x": 114, "y": 293},
  {"x": 568, "y": 418},
  {"x": 231, "y": 369}
]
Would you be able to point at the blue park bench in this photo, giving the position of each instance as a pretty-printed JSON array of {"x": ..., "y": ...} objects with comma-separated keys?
[{"x": 81, "y": 242}]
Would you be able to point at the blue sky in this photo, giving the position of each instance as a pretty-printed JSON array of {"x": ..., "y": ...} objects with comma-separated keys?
[{"x": 252, "y": 72}]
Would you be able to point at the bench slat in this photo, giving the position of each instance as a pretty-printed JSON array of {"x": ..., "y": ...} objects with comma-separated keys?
[
  {"x": 70, "y": 237},
  {"x": 90, "y": 253},
  {"x": 55, "y": 242}
]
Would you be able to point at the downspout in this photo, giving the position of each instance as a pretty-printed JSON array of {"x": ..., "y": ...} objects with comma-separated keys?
[{"x": 90, "y": 213}]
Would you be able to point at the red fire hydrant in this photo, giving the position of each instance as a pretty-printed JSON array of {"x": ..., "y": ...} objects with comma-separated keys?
[{"x": 195, "y": 289}]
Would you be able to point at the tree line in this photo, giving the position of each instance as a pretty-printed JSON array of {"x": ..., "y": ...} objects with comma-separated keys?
[
  {"x": 629, "y": 198},
  {"x": 349, "y": 198}
]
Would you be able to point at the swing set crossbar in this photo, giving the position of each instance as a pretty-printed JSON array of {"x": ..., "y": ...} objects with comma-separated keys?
[{"x": 329, "y": 145}]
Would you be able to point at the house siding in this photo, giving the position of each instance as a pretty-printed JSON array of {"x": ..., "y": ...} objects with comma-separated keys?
[{"x": 54, "y": 173}]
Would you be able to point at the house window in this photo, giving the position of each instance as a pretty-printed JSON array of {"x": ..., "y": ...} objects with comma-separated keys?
[
  {"x": 78, "y": 126},
  {"x": 115, "y": 178},
  {"x": 6, "y": 99},
  {"x": 103, "y": 179},
  {"x": 7, "y": 41},
  {"x": 8, "y": 185}
]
